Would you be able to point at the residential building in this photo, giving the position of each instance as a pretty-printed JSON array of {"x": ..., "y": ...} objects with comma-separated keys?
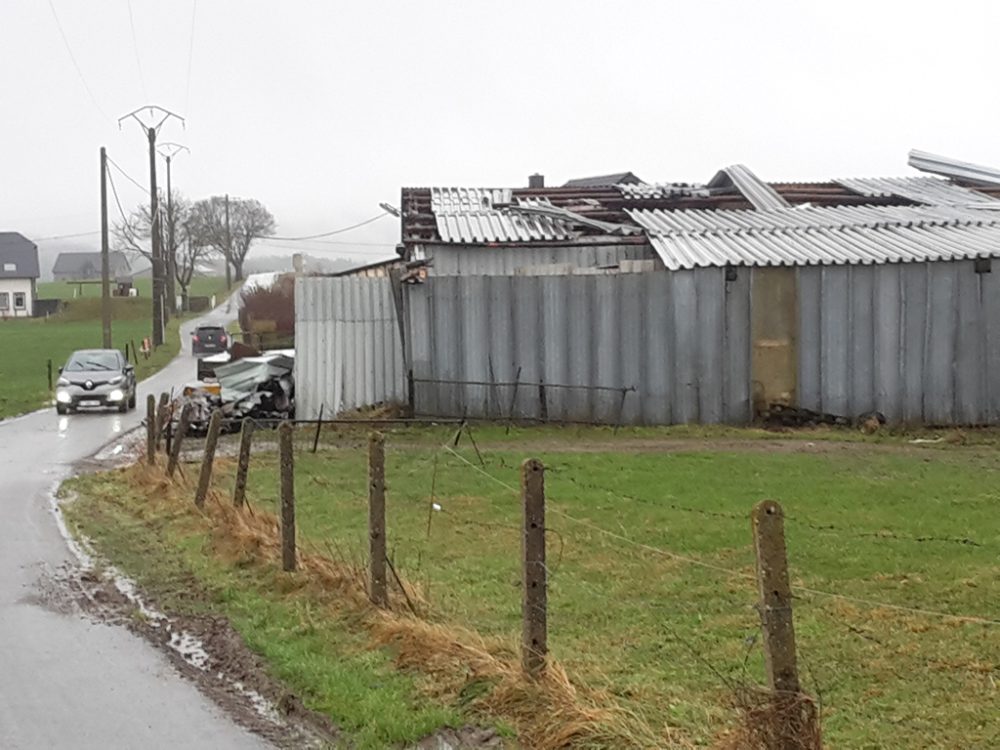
[
  {"x": 87, "y": 266},
  {"x": 18, "y": 275}
]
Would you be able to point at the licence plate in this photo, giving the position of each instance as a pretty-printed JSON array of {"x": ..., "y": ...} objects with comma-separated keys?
[{"x": 90, "y": 402}]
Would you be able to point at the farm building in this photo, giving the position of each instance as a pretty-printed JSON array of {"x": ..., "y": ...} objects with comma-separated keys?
[
  {"x": 87, "y": 266},
  {"x": 675, "y": 303}
]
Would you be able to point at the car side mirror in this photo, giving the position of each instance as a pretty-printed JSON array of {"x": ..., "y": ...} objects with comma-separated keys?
[
  {"x": 60, "y": 370},
  {"x": 129, "y": 368}
]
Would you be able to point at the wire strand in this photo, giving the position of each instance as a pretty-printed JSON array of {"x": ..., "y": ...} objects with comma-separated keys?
[
  {"x": 976, "y": 619},
  {"x": 187, "y": 86},
  {"x": 135, "y": 49},
  {"x": 127, "y": 176},
  {"x": 72, "y": 57},
  {"x": 335, "y": 231}
]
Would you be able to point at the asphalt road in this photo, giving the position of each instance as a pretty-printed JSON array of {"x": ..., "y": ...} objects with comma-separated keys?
[{"x": 67, "y": 682}]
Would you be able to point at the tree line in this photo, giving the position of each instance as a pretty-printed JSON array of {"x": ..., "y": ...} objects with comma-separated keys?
[{"x": 195, "y": 232}]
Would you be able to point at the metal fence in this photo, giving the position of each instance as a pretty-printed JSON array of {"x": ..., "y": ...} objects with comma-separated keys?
[
  {"x": 919, "y": 342},
  {"x": 348, "y": 345},
  {"x": 646, "y": 348}
]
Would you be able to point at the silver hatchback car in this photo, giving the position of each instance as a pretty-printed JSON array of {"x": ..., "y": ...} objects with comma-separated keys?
[{"x": 96, "y": 377}]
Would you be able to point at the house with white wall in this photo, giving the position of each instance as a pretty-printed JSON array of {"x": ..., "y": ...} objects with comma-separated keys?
[{"x": 18, "y": 275}]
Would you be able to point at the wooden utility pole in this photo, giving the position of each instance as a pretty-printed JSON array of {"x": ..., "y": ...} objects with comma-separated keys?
[
  {"x": 154, "y": 217},
  {"x": 229, "y": 247},
  {"x": 168, "y": 253},
  {"x": 151, "y": 112},
  {"x": 105, "y": 260}
]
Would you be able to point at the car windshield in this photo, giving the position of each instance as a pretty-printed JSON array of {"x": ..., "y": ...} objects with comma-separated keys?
[{"x": 84, "y": 361}]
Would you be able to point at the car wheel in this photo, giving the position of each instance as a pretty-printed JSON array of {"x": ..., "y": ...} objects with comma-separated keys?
[
  {"x": 131, "y": 401},
  {"x": 61, "y": 409},
  {"x": 123, "y": 407}
]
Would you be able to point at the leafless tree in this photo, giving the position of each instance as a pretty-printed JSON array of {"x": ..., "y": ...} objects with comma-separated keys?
[
  {"x": 133, "y": 234},
  {"x": 248, "y": 220},
  {"x": 189, "y": 254}
]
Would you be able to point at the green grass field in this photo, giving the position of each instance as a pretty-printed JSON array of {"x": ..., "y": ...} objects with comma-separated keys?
[
  {"x": 27, "y": 345},
  {"x": 630, "y": 614},
  {"x": 201, "y": 286}
]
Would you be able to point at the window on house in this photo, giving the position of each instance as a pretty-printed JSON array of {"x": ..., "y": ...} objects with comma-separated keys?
[
  {"x": 18, "y": 300},
  {"x": 4, "y": 300},
  {"x": 10, "y": 266}
]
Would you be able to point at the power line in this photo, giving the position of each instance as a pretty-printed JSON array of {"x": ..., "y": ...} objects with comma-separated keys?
[
  {"x": 114, "y": 191},
  {"x": 187, "y": 86},
  {"x": 72, "y": 57},
  {"x": 65, "y": 236},
  {"x": 335, "y": 231},
  {"x": 135, "y": 48},
  {"x": 128, "y": 177},
  {"x": 329, "y": 251}
]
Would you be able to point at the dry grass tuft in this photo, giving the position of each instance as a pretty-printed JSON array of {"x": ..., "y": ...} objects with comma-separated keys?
[
  {"x": 457, "y": 664},
  {"x": 770, "y": 720}
]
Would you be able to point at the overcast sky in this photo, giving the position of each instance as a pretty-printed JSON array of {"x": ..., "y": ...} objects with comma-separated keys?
[{"x": 321, "y": 109}]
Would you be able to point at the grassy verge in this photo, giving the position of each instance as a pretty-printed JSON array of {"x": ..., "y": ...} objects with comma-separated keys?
[
  {"x": 28, "y": 344},
  {"x": 657, "y": 643}
]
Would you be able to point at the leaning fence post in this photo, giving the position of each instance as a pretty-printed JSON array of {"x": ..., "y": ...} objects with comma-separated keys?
[
  {"x": 48, "y": 367},
  {"x": 534, "y": 606},
  {"x": 287, "y": 460},
  {"x": 794, "y": 718},
  {"x": 319, "y": 426},
  {"x": 150, "y": 428},
  {"x": 376, "y": 520},
  {"x": 178, "y": 439},
  {"x": 243, "y": 463},
  {"x": 211, "y": 441},
  {"x": 161, "y": 418}
]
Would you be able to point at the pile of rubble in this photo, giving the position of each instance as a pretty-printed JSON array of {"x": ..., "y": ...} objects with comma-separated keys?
[{"x": 242, "y": 383}]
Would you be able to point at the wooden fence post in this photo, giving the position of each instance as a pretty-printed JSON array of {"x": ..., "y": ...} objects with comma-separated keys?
[
  {"x": 162, "y": 414},
  {"x": 287, "y": 460},
  {"x": 377, "y": 590},
  {"x": 243, "y": 463},
  {"x": 151, "y": 429},
  {"x": 211, "y": 441},
  {"x": 795, "y": 721},
  {"x": 178, "y": 439},
  {"x": 534, "y": 605},
  {"x": 319, "y": 426}
]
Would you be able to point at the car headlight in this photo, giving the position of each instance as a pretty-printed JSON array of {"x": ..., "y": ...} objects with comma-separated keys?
[
  {"x": 116, "y": 395},
  {"x": 116, "y": 380},
  {"x": 63, "y": 397},
  {"x": 62, "y": 381}
]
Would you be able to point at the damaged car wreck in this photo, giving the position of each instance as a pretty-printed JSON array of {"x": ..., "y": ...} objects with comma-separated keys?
[{"x": 260, "y": 387}]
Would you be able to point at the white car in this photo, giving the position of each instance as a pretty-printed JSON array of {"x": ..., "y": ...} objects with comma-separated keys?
[{"x": 96, "y": 378}]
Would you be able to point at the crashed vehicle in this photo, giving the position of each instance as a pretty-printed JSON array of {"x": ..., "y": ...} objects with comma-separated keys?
[{"x": 261, "y": 387}]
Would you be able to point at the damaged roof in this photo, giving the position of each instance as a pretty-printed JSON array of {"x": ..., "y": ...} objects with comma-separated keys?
[{"x": 735, "y": 218}]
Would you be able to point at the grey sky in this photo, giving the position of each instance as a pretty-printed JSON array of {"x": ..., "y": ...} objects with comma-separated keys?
[{"x": 322, "y": 109}]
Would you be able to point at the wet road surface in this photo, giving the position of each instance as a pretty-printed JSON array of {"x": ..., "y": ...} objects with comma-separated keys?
[{"x": 65, "y": 681}]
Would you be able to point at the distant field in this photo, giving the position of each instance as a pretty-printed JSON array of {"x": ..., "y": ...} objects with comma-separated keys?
[
  {"x": 201, "y": 286},
  {"x": 652, "y": 597},
  {"x": 27, "y": 345}
]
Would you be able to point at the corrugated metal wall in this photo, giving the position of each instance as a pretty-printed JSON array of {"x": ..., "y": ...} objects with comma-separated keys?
[
  {"x": 680, "y": 339},
  {"x": 919, "y": 342},
  {"x": 347, "y": 345},
  {"x": 479, "y": 260}
]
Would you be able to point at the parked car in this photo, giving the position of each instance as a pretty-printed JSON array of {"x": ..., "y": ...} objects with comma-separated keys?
[
  {"x": 209, "y": 340},
  {"x": 96, "y": 377}
]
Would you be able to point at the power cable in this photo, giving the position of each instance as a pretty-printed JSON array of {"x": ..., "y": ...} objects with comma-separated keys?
[
  {"x": 128, "y": 177},
  {"x": 65, "y": 236},
  {"x": 187, "y": 86},
  {"x": 72, "y": 57},
  {"x": 114, "y": 192},
  {"x": 335, "y": 231},
  {"x": 135, "y": 48}
]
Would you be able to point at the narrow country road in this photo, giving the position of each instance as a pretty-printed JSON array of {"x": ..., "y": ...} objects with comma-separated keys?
[{"x": 67, "y": 682}]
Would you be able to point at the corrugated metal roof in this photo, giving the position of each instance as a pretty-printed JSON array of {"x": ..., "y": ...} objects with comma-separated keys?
[
  {"x": 644, "y": 191},
  {"x": 929, "y": 190},
  {"x": 948, "y": 167},
  {"x": 468, "y": 199},
  {"x": 795, "y": 246},
  {"x": 803, "y": 217},
  {"x": 759, "y": 193}
]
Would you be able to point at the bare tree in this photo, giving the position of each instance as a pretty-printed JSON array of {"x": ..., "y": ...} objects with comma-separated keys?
[
  {"x": 189, "y": 253},
  {"x": 248, "y": 220},
  {"x": 133, "y": 235}
]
